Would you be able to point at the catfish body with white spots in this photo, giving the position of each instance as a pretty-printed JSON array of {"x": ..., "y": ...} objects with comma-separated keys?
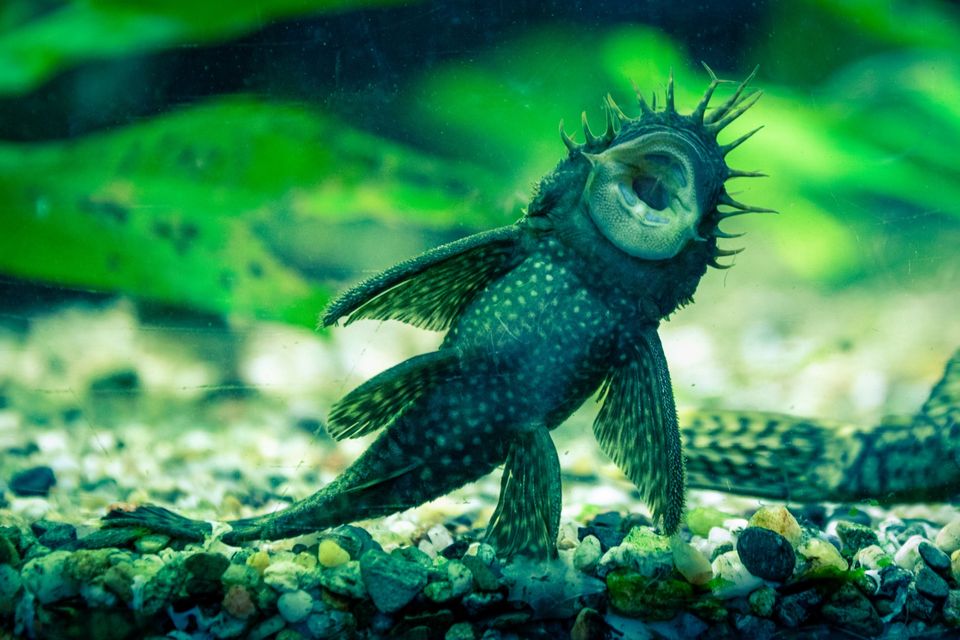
[{"x": 540, "y": 315}]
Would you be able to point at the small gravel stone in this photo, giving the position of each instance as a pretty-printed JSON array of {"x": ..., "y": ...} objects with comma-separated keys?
[
  {"x": 920, "y": 606},
  {"x": 908, "y": 555},
  {"x": 295, "y": 606},
  {"x": 346, "y": 579},
  {"x": 53, "y": 534},
  {"x": 893, "y": 580},
  {"x": 855, "y": 536},
  {"x": 766, "y": 554},
  {"x": 733, "y": 577},
  {"x": 955, "y": 566},
  {"x": 690, "y": 562},
  {"x": 152, "y": 543},
  {"x": 237, "y": 602},
  {"x": 331, "y": 554},
  {"x": 851, "y": 611},
  {"x": 951, "y": 608},
  {"x": 460, "y": 631},
  {"x": 934, "y": 557},
  {"x": 762, "y": 600},
  {"x": 284, "y": 575},
  {"x": 267, "y": 628},
  {"x": 795, "y": 608},
  {"x": 391, "y": 581},
  {"x": 477, "y": 603},
  {"x": 780, "y": 520},
  {"x": 873, "y": 558},
  {"x": 205, "y": 570},
  {"x": 948, "y": 539},
  {"x": 36, "y": 481},
  {"x": 10, "y": 584},
  {"x": 754, "y": 628},
  {"x": 331, "y": 624},
  {"x": 587, "y": 555},
  {"x": 823, "y": 559},
  {"x": 589, "y": 625},
  {"x": 930, "y": 584},
  {"x": 46, "y": 579},
  {"x": 483, "y": 576}
]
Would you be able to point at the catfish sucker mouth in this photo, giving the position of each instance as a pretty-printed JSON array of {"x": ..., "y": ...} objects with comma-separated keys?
[{"x": 646, "y": 195}]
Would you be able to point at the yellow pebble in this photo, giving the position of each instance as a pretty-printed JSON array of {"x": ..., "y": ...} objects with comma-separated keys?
[
  {"x": 780, "y": 520},
  {"x": 259, "y": 561},
  {"x": 330, "y": 554}
]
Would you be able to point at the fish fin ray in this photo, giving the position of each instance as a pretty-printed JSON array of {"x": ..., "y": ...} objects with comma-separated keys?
[
  {"x": 527, "y": 517},
  {"x": 379, "y": 401},
  {"x": 431, "y": 290},
  {"x": 637, "y": 428}
]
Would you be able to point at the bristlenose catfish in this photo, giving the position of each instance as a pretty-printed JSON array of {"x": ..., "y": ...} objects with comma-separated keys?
[{"x": 540, "y": 316}]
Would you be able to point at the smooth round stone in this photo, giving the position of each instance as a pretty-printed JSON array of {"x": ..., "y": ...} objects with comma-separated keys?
[
  {"x": 587, "y": 555},
  {"x": 934, "y": 557},
  {"x": 930, "y": 584},
  {"x": 948, "y": 539},
  {"x": 36, "y": 481},
  {"x": 872, "y": 557},
  {"x": 908, "y": 555},
  {"x": 822, "y": 557},
  {"x": 295, "y": 606},
  {"x": 391, "y": 581},
  {"x": 780, "y": 520},
  {"x": 331, "y": 554},
  {"x": 690, "y": 562},
  {"x": 766, "y": 554}
]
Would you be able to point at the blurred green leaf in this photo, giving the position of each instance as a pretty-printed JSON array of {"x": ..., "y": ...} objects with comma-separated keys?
[
  {"x": 84, "y": 30},
  {"x": 232, "y": 207}
]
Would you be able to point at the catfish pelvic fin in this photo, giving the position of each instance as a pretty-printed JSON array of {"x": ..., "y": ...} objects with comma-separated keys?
[{"x": 431, "y": 290}]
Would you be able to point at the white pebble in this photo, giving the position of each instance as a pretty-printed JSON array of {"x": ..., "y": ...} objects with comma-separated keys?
[
  {"x": 871, "y": 557},
  {"x": 718, "y": 536},
  {"x": 439, "y": 537},
  {"x": 908, "y": 555},
  {"x": 295, "y": 606},
  {"x": 734, "y": 580},
  {"x": 283, "y": 575},
  {"x": 587, "y": 555},
  {"x": 949, "y": 537}
]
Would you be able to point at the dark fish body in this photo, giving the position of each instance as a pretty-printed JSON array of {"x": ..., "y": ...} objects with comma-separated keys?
[{"x": 540, "y": 315}]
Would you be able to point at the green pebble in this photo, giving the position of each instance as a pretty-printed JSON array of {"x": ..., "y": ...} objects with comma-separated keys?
[
  {"x": 483, "y": 576},
  {"x": 702, "y": 519},
  {"x": 152, "y": 543},
  {"x": 8, "y": 551},
  {"x": 762, "y": 600},
  {"x": 855, "y": 536},
  {"x": 10, "y": 584},
  {"x": 460, "y": 631},
  {"x": 636, "y": 595}
]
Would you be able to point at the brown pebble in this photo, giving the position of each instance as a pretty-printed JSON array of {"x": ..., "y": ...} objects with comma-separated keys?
[{"x": 237, "y": 602}]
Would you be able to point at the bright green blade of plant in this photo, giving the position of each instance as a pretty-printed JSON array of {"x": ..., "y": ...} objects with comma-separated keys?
[
  {"x": 217, "y": 207},
  {"x": 84, "y": 30}
]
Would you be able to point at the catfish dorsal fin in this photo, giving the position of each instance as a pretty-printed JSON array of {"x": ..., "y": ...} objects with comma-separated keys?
[{"x": 431, "y": 290}]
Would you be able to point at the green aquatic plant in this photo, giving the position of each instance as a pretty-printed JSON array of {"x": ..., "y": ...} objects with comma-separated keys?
[
  {"x": 205, "y": 221},
  {"x": 35, "y": 47},
  {"x": 540, "y": 316}
]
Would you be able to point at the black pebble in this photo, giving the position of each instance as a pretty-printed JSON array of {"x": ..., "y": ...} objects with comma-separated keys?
[
  {"x": 22, "y": 452},
  {"x": 36, "y": 481},
  {"x": 892, "y": 580},
  {"x": 456, "y": 550},
  {"x": 766, "y": 554},
  {"x": 934, "y": 557},
  {"x": 795, "y": 608},
  {"x": 54, "y": 534},
  {"x": 930, "y": 584}
]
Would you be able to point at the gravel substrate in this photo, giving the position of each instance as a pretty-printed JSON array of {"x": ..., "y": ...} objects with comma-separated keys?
[{"x": 723, "y": 577}]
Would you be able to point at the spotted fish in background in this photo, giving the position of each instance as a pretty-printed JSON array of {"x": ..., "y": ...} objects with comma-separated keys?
[
  {"x": 540, "y": 316},
  {"x": 902, "y": 459}
]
